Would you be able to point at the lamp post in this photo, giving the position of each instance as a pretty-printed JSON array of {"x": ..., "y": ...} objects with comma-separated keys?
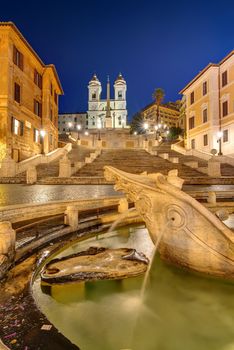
[
  {"x": 156, "y": 132},
  {"x": 220, "y": 135},
  {"x": 78, "y": 131},
  {"x": 146, "y": 125},
  {"x": 42, "y": 133},
  {"x": 69, "y": 128},
  {"x": 99, "y": 132}
]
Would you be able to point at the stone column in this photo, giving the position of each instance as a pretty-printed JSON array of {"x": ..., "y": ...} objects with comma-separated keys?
[
  {"x": 31, "y": 175},
  {"x": 71, "y": 217},
  {"x": 123, "y": 205},
  {"x": 214, "y": 168},
  {"x": 65, "y": 167}
]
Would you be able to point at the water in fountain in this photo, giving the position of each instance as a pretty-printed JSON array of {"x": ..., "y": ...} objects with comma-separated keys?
[
  {"x": 120, "y": 218},
  {"x": 146, "y": 277}
]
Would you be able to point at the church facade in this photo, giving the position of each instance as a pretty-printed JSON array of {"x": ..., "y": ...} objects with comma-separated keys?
[{"x": 108, "y": 113}]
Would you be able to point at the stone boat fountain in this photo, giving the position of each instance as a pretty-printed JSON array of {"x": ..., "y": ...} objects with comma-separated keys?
[{"x": 192, "y": 237}]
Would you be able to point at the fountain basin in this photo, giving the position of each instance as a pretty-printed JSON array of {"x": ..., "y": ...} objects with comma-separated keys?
[{"x": 95, "y": 263}]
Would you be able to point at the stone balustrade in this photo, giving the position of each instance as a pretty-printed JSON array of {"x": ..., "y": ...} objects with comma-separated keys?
[{"x": 23, "y": 212}]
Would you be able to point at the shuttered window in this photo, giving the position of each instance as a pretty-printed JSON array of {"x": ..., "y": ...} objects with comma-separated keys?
[
  {"x": 17, "y": 127},
  {"x": 37, "y": 79},
  {"x": 225, "y": 108},
  {"x": 192, "y": 98},
  {"x": 36, "y": 136},
  {"x": 204, "y": 115},
  {"x": 224, "y": 78},
  {"x": 37, "y": 108},
  {"x": 17, "y": 92},
  {"x": 18, "y": 58},
  {"x": 225, "y": 135},
  {"x": 205, "y": 140},
  {"x": 56, "y": 98},
  {"x": 191, "y": 123}
]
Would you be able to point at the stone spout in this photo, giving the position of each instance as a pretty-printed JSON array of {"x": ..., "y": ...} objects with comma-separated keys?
[{"x": 193, "y": 237}]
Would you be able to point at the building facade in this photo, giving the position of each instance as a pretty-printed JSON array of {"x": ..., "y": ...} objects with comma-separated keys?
[
  {"x": 168, "y": 115},
  {"x": 108, "y": 113},
  {"x": 29, "y": 92},
  {"x": 68, "y": 122},
  {"x": 210, "y": 108}
]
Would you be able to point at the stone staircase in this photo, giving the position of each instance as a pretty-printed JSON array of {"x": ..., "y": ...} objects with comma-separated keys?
[
  {"x": 165, "y": 147},
  {"x": 77, "y": 154},
  {"x": 136, "y": 162}
]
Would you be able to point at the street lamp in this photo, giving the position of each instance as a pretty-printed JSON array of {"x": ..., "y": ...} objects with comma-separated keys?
[
  {"x": 99, "y": 131},
  {"x": 78, "y": 131},
  {"x": 86, "y": 133},
  {"x": 156, "y": 131},
  {"x": 69, "y": 127},
  {"x": 42, "y": 133},
  {"x": 146, "y": 125},
  {"x": 220, "y": 135}
]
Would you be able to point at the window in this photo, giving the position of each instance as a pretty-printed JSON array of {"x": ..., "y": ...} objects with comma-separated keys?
[
  {"x": 17, "y": 127},
  {"x": 51, "y": 139},
  {"x": 191, "y": 123},
  {"x": 224, "y": 78},
  {"x": 37, "y": 79},
  {"x": 205, "y": 140},
  {"x": 204, "y": 88},
  {"x": 37, "y": 108},
  {"x": 120, "y": 94},
  {"x": 225, "y": 108},
  {"x": 193, "y": 143},
  {"x": 51, "y": 89},
  {"x": 204, "y": 115},
  {"x": 87, "y": 122},
  {"x": 55, "y": 98},
  {"x": 75, "y": 119},
  {"x": 93, "y": 123},
  {"x": 17, "y": 93},
  {"x": 225, "y": 136},
  {"x": 93, "y": 95},
  {"x": 192, "y": 98},
  {"x": 36, "y": 136},
  {"x": 51, "y": 114},
  {"x": 18, "y": 58}
]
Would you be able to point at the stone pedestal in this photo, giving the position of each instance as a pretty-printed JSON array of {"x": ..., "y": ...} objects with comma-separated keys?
[
  {"x": 31, "y": 175},
  {"x": 7, "y": 246},
  {"x": 155, "y": 143},
  {"x": 211, "y": 197},
  {"x": 146, "y": 144},
  {"x": 214, "y": 168},
  {"x": 99, "y": 144},
  {"x": 71, "y": 217},
  {"x": 65, "y": 167},
  {"x": 8, "y": 167},
  {"x": 123, "y": 205}
]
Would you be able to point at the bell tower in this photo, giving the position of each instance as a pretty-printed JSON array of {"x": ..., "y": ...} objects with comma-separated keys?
[
  {"x": 95, "y": 90},
  {"x": 120, "y": 88}
]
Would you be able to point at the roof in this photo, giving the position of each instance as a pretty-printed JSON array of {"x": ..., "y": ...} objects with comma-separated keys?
[
  {"x": 17, "y": 31},
  {"x": 164, "y": 105},
  {"x": 205, "y": 69},
  {"x": 71, "y": 113}
]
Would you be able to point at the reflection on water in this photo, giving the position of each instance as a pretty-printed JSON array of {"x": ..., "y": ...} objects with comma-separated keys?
[
  {"x": 181, "y": 311},
  {"x": 20, "y": 194}
]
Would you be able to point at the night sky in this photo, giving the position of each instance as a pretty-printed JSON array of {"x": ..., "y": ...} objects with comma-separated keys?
[{"x": 153, "y": 43}]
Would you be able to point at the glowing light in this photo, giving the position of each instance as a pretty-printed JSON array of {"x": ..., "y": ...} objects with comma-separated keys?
[
  {"x": 156, "y": 127},
  {"x": 42, "y": 133},
  {"x": 78, "y": 127},
  {"x": 146, "y": 125},
  {"x": 86, "y": 133},
  {"x": 69, "y": 124},
  {"x": 135, "y": 133},
  {"x": 220, "y": 134}
]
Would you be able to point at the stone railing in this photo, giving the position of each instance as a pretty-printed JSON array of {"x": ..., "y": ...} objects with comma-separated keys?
[
  {"x": 178, "y": 147},
  {"x": 22, "y": 212},
  {"x": 9, "y": 168}
]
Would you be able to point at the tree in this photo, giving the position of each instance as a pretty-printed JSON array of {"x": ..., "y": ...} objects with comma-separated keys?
[
  {"x": 137, "y": 123},
  {"x": 174, "y": 132},
  {"x": 158, "y": 96}
]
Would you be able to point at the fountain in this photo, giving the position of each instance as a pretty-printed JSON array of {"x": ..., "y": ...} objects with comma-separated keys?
[{"x": 195, "y": 239}]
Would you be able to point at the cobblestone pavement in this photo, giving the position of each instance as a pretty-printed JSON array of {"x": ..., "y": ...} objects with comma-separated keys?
[{"x": 21, "y": 194}]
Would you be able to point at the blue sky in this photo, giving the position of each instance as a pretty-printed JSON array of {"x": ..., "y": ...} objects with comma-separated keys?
[{"x": 154, "y": 44}]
